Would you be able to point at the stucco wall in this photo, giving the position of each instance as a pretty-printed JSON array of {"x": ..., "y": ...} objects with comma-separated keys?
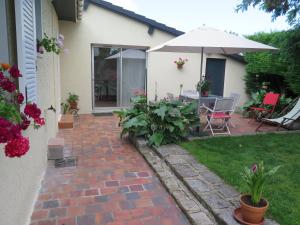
[
  {"x": 21, "y": 177},
  {"x": 100, "y": 26}
]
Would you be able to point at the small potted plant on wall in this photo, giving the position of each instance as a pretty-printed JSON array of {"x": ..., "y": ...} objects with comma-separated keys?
[
  {"x": 252, "y": 206},
  {"x": 180, "y": 62},
  {"x": 73, "y": 101}
]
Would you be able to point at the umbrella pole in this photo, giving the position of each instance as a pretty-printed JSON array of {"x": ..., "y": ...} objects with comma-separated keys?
[{"x": 201, "y": 69}]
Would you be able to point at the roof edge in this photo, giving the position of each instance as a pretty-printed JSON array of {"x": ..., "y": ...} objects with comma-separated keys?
[{"x": 130, "y": 14}]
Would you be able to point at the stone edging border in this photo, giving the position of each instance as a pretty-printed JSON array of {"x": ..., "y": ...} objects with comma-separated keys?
[{"x": 202, "y": 195}]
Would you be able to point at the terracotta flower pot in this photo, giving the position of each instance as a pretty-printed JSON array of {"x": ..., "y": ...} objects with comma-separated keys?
[
  {"x": 179, "y": 66},
  {"x": 252, "y": 214},
  {"x": 73, "y": 105},
  {"x": 204, "y": 93}
]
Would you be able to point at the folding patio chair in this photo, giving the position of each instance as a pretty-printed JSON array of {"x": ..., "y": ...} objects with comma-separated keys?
[
  {"x": 268, "y": 105},
  {"x": 284, "y": 121},
  {"x": 236, "y": 98},
  {"x": 221, "y": 112}
]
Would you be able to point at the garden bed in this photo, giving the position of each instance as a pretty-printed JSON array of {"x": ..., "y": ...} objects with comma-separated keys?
[{"x": 227, "y": 156}]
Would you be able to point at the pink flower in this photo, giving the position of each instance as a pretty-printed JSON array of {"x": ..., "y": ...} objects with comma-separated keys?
[
  {"x": 61, "y": 37},
  {"x": 32, "y": 110},
  {"x": 14, "y": 71},
  {"x": 20, "y": 98},
  {"x": 41, "y": 50},
  {"x": 17, "y": 147},
  {"x": 254, "y": 168},
  {"x": 1, "y": 76},
  {"x": 7, "y": 85}
]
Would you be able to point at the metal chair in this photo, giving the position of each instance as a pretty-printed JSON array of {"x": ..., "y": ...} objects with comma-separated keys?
[
  {"x": 236, "y": 97},
  {"x": 221, "y": 111}
]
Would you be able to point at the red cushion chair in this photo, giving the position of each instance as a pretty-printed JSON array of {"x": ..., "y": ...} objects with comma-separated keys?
[{"x": 270, "y": 99}]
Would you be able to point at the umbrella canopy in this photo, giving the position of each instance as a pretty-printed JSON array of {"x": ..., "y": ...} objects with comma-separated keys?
[{"x": 210, "y": 40}]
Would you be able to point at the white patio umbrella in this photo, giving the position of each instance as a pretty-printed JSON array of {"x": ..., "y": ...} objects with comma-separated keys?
[{"x": 210, "y": 41}]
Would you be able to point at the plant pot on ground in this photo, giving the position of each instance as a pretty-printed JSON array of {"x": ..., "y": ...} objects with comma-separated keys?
[
  {"x": 73, "y": 101},
  {"x": 253, "y": 214},
  {"x": 253, "y": 206}
]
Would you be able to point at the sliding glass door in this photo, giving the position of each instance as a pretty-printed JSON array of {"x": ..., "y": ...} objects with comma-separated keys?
[{"x": 118, "y": 74}]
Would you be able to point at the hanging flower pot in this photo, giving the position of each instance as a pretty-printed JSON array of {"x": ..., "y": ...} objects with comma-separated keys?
[{"x": 180, "y": 62}]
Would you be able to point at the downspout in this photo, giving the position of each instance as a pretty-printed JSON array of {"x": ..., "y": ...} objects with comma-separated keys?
[{"x": 80, "y": 4}]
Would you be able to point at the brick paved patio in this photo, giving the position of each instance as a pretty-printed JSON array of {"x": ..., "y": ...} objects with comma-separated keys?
[{"x": 112, "y": 184}]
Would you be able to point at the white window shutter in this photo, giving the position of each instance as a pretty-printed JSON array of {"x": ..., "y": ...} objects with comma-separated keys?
[{"x": 26, "y": 47}]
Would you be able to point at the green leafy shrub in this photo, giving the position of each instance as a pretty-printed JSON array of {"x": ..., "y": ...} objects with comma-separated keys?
[
  {"x": 135, "y": 121},
  {"x": 280, "y": 68},
  {"x": 159, "y": 122},
  {"x": 170, "y": 121}
]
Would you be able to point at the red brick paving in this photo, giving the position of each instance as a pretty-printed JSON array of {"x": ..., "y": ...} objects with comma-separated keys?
[{"x": 112, "y": 184}]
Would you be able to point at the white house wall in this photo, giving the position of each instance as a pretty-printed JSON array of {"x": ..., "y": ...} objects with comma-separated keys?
[
  {"x": 21, "y": 177},
  {"x": 100, "y": 26}
]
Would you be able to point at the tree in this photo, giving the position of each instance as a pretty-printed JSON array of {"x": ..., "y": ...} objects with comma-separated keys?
[{"x": 291, "y": 8}]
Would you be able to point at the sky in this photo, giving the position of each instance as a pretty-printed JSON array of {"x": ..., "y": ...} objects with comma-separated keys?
[{"x": 186, "y": 15}]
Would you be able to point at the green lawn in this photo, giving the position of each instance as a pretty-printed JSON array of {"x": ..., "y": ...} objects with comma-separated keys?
[{"x": 227, "y": 156}]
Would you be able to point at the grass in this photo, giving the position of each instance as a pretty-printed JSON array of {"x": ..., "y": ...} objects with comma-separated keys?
[{"x": 227, "y": 157}]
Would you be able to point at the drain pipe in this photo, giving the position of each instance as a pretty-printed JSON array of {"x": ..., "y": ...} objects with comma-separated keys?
[{"x": 80, "y": 4}]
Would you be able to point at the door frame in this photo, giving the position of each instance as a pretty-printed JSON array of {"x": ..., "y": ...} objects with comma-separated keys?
[{"x": 94, "y": 45}]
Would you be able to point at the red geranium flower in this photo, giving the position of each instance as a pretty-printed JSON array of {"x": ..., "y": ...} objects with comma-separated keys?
[
  {"x": 7, "y": 85},
  {"x": 32, "y": 110},
  {"x": 14, "y": 71},
  {"x": 25, "y": 124},
  {"x": 17, "y": 147},
  {"x": 1, "y": 76},
  {"x": 20, "y": 98},
  {"x": 39, "y": 121},
  {"x": 8, "y": 130}
]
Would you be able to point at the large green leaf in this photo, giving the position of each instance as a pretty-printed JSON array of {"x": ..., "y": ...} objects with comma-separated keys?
[
  {"x": 161, "y": 111},
  {"x": 156, "y": 139}
]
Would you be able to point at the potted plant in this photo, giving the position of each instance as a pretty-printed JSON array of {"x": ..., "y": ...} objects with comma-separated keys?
[
  {"x": 252, "y": 206},
  {"x": 204, "y": 86},
  {"x": 180, "y": 62},
  {"x": 65, "y": 107},
  {"x": 73, "y": 100}
]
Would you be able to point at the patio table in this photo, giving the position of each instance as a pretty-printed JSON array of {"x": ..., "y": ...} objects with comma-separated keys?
[{"x": 208, "y": 101}]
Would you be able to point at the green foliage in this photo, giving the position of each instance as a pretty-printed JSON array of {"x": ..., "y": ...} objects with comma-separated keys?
[
  {"x": 291, "y": 8},
  {"x": 50, "y": 44},
  {"x": 280, "y": 68},
  {"x": 160, "y": 122},
  {"x": 255, "y": 179},
  {"x": 72, "y": 97},
  {"x": 10, "y": 112},
  {"x": 65, "y": 107},
  {"x": 135, "y": 120},
  {"x": 170, "y": 121},
  {"x": 204, "y": 85},
  {"x": 256, "y": 99}
]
